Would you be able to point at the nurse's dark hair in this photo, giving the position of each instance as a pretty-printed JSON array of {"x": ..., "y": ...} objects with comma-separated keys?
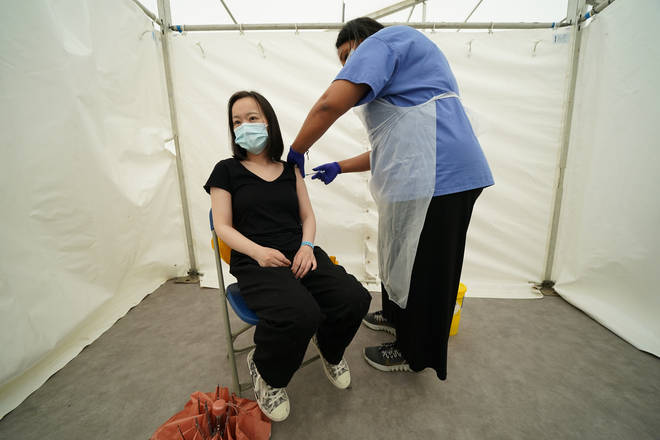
[
  {"x": 274, "y": 145},
  {"x": 358, "y": 29}
]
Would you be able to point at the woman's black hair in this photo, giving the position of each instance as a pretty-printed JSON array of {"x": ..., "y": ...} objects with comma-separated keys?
[
  {"x": 274, "y": 145},
  {"x": 357, "y": 30}
]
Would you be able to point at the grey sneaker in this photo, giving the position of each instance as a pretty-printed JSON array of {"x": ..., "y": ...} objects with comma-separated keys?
[
  {"x": 386, "y": 357},
  {"x": 273, "y": 402},
  {"x": 376, "y": 321},
  {"x": 338, "y": 374}
]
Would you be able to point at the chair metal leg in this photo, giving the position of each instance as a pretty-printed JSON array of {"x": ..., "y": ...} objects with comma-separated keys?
[
  {"x": 310, "y": 360},
  {"x": 241, "y": 331},
  {"x": 236, "y": 388},
  {"x": 230, "y": 349},
  {"x": 244, "y": 349}
]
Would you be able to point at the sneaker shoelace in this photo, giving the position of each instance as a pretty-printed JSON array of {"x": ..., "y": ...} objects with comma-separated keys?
[
  {"x": 378, "y": 317},
  {"x": 271, "y": 397},
  {"x": 338, "y": 369},
  {"x": 389, "y": 351}
]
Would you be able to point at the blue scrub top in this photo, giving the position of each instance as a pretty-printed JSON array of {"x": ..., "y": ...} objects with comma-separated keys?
[{"x": 402, "y": 66}]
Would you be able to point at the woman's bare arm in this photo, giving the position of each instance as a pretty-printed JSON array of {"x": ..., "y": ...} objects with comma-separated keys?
[{"x": 306, "y": 212}]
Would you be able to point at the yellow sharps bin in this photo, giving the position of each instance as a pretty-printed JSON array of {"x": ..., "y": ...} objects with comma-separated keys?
[{"x": 457, "y": 309}]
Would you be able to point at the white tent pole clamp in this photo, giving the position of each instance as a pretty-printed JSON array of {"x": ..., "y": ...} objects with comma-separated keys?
[
  {"x": 575, "y": 11},
  {"x": 166, "y": 18}
]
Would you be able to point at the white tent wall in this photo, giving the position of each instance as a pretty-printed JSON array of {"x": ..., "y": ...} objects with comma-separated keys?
[
  {"x": 290, "y": 71},
  {"x": 514, "y": 81},
  {"x": 608, "y": 251},
  {"x": 91, "y": 216}
]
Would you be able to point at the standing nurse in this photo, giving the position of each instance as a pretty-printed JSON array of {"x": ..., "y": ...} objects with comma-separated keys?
[{"x": 427, "y": 171}]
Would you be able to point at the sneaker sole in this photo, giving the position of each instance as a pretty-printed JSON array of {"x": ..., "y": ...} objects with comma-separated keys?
[
  {"x": 377, "y": 366},
  {"x": 381, "y": 328}
]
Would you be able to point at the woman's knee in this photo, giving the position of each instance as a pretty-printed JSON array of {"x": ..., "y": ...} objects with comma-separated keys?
[
  {"x": 306, "y": 318},
  {"x": 357, "y": 299}
]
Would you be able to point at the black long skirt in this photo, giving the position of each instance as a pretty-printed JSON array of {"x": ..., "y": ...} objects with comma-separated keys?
[{"x": 422, "y": 328}]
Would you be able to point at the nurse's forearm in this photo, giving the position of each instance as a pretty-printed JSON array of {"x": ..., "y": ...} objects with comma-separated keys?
[
  {"x": 337, "y": 100},
  {"x": 319, "y": 119},
  {"x": 356, "y": 164}
]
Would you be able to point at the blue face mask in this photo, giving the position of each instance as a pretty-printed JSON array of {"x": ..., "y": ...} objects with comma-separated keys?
[{"x": 252, "y": 136}]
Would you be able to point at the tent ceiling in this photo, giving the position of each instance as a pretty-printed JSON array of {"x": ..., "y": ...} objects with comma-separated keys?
[{"x": 328, "y": 11}]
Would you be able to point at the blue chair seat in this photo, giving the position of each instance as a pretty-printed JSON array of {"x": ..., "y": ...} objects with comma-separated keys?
[{"x": 238, "y": 304}]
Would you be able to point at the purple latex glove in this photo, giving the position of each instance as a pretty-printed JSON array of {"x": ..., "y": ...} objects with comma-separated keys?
[
  {"x": 327, "y": 172},
  {"x": 297, "y": 159}
]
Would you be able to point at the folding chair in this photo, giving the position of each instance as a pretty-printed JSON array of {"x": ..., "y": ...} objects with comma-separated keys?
[{"x": 232, "y": 295}]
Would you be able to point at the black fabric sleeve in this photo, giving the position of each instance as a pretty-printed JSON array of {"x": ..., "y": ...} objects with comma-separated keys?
[
  {"x": 289, "y": 169},
  {"x": 219, "y": 178}
]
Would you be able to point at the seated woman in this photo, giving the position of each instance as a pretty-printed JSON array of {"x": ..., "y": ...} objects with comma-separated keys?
[{"x": 261, "y": 210}]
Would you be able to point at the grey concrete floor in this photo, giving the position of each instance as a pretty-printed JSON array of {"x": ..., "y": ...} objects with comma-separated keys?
[{"x": 518, "y": 369}]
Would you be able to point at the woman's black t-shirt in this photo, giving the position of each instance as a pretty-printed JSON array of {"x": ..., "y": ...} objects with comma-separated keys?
[{"x": 265, "y": 212}]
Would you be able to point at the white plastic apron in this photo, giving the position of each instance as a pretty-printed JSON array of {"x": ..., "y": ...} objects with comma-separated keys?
[{"x": 403, "y": 168}]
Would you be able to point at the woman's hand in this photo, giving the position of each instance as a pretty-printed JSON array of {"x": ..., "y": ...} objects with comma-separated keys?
[
  {"x": 303, "y": 262},
  {"x": 269, "y": 257}
]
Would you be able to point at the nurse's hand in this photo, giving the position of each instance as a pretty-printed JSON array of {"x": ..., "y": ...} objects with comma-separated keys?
[
  {"x": 327, "y": 172},
  {"x": 297, "y": 159},
  {"x": 303, "y": 262},
  {"x": 269, "y": 257}
]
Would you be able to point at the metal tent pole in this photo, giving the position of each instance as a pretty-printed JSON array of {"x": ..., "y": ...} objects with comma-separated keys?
[
  {"x": 229, "y": 12},
  {"x": 411, "y": 13},
  {"x": 389, "y": 10},
  {"x": 338, "y": 26},
  {"x": 147, "y": 11},
  {"x": 166, "y": 18},
  {"x": 575, "y": 11},
  {"x": 470, "y": 14}
]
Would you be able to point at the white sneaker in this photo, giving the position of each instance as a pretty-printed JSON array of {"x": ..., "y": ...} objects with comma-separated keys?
[
  {"x": 273, "y": 402},
  {"x": 338, "y": 374}
]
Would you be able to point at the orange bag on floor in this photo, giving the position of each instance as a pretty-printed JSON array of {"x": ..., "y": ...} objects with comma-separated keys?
[{"x": 216, "y": 416}]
